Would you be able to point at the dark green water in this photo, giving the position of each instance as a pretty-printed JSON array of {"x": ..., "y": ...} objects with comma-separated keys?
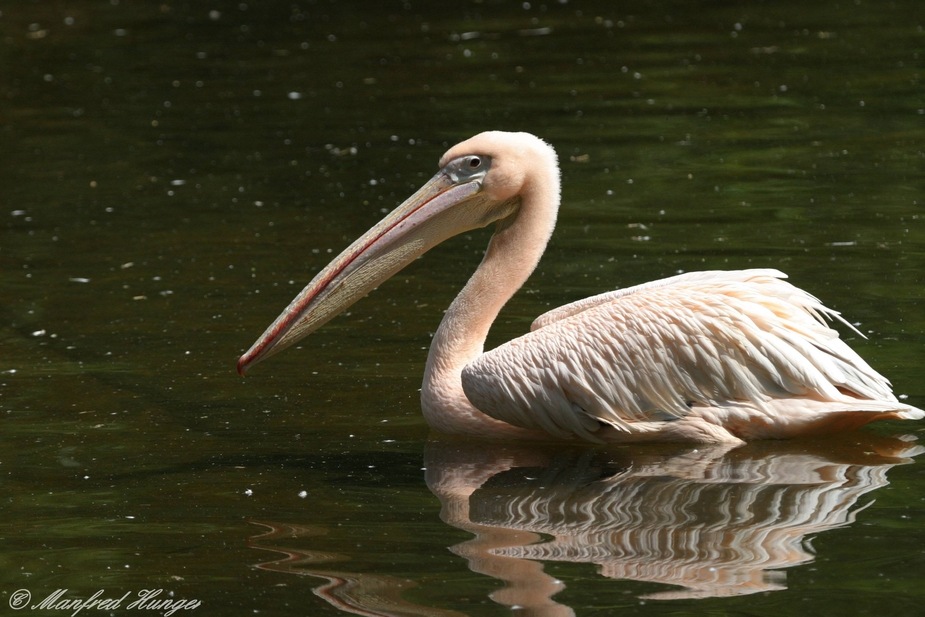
[{"x": 173, "y": 173}]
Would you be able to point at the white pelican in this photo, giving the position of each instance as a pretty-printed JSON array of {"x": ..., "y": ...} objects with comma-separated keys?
[{"x": 703, "y": 356}]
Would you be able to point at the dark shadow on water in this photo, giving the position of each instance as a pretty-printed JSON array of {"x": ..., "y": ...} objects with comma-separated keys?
[{"x": 704, "y": 521}]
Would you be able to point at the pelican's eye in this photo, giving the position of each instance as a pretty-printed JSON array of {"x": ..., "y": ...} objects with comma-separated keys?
[{"x": 470, "y": 167}]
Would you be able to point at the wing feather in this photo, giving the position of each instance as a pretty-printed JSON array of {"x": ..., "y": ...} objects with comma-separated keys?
[{"x": 653, "y": 352}]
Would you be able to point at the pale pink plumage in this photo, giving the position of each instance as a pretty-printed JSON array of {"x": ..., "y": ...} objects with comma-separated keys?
[{"x": 703, "y": 356}]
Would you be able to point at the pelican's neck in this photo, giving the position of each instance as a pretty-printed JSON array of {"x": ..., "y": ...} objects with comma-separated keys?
[{"x": 512, "y": 255}]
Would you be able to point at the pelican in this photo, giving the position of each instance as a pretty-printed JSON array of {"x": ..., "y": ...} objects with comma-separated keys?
[{"x": 718, "y": 356}]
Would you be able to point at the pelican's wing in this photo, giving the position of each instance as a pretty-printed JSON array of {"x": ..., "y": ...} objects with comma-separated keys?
[{"x": 653, "y": 352}]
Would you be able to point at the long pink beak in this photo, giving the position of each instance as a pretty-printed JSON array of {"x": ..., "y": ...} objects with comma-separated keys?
[{"x": 413, "y": 228}]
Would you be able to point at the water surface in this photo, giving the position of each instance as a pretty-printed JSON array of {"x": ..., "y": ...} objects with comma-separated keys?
[{"x": 174, "y": 173}]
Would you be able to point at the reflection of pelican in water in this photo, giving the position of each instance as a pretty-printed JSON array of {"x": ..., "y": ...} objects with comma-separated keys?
[
  {"x": 714, "y": 521},
  {"x": 710, "y": 522}
]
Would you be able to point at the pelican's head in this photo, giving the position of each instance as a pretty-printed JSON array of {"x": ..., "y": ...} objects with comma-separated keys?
[{"x": 482, "y": 180}]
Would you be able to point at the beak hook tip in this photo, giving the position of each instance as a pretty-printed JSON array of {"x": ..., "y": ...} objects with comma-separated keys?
[{"x": 243, "y": 365}]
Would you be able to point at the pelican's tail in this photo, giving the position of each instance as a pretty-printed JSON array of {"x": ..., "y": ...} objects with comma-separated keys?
[
  {"x": 910, "y": 413},
  {"x": 796, "y": 417}
]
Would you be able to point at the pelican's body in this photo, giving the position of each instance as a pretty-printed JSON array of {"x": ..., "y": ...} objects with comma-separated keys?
[{"x": 705, "y": 356}]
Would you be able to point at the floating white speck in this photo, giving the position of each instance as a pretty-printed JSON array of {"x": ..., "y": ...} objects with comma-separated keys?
[
  {"x": 79, "y": 279},
  {"x": 248, "y": 492},
  {"x": 303, "y": 494},
  {"x": 39, "y": 333},
  {"x": 535, "y": 32},
  {"x": 294, "y": 96}
]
